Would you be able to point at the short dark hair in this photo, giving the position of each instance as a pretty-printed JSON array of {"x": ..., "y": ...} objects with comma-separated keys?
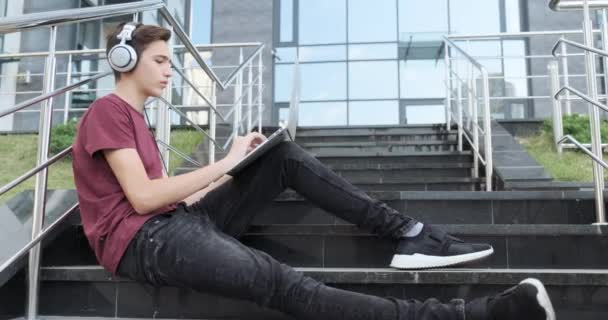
[{"x": 143, "y": 35}]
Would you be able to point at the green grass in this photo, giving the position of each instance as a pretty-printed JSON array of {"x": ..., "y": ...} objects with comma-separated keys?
[
  {"x": 18, "y": 156},
  {"x": 184, "y": 141},
  {"x": 571, "y": 165}
]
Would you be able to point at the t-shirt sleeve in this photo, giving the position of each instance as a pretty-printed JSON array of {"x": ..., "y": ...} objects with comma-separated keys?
[{"x": 108, "y": 126}]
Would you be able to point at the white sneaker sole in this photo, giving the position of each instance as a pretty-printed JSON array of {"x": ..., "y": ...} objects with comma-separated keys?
[
  {"x": 542, "y": 297},
  {"x": 422, "y": 261}
]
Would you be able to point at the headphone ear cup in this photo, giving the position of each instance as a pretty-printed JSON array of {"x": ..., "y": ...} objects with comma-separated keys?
[{"x": 122, "y": 58}]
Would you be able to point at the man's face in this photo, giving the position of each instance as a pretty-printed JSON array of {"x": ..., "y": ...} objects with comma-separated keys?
[{"x": 153, "y": 69}]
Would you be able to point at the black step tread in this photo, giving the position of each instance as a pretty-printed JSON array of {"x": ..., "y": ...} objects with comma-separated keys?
[
  {"x": 443, "y": 276},
  {"x": 291, "y": 195},
  {"x": 325, "y": 132},
  {"x": 425, "y": 180},
  {"x": 375, "y": 143},
  {"x": 398, "y": 166},
  {"x": 455, "y": 229},
  {"x": 363, "y": 154}
]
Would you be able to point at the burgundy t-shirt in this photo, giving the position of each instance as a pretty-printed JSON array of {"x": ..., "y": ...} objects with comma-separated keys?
[{"x": 108, "y": 219}]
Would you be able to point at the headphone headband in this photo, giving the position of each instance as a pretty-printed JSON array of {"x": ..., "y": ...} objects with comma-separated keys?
[{"x": 126, "y": 34}]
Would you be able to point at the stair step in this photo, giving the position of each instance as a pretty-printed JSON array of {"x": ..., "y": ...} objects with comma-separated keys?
[
  {"x": 346, "y": 245},
  {"x": 452, "y": 207},
  {"x": 419, "y": 147},
  {"x": 576, "y": 293},
  {"x": 367, "y": 131},
  {"x": 516, "y": 246},
  {"x": 390, "y": 174},
  {"x": 442, "y": 155},
  {"x": 441, "y": 276},
  {"x": 378, "y": 137}
]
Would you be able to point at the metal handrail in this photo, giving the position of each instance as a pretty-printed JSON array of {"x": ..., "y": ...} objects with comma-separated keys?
[
  {"x": 103, "y": 51},
  {"x": 198, "y": 92},
  {"x": 66, "y": 16},
  {"x": 179, "y": 153},
  {"x": 195, "y": 125},
  {"x": 249, "y": 59},
  {"x": 577, "y": 45},
  {"x": 464, "y": 53},
  {"x": 582, "y": 96},
  {"x": 558, "y": 5},
  {"x": 592, "y": 98},
  {"x": 181, "y": 34},
  {"x": 33, "y": 171},
  {"x": 58, "y": 17},
  {"x": 38, "y": 238},
  {"x": 487, "y": 159},
  {"x": 583, "y": 149},
  {"x": 507, "y": 35},
  {"x": 42, "y": 97},
  {"x": 235, "y": 104}
]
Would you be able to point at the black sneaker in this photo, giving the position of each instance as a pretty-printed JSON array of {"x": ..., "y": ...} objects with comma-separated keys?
[
  {"x": 434, "y": 248},
  {"x": 528, "y": 300}
]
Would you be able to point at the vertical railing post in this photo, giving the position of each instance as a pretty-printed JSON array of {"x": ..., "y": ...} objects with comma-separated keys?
[
  {"x": 212, "y": 126},
  {"x": 594, "y": 117},
  {"x": 239, "y": 107},
  {"x": 557, "y": 106},
  {"x": 44, "y": 135},
  {"x": 472, "y": 114},
  {"x": 604, "y": 27},
  {"x": 487, "y": 123},
  {"x": 448, "y": 100},
  {"x": 459, "y": 106},
  {"x": 260, "y": 95},
  {"x": 68, "y": 95},
  {"x": 163, "y": 119},
  {"x": 249, "y": 96},
  {"x": 564, "y": 60}
]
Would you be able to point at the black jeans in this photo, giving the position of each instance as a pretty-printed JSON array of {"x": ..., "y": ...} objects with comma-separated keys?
[{"x": 196, "y": 247}]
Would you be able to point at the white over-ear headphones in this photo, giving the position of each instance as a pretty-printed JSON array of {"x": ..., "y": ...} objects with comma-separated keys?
[{"x": 122, "y": 57}]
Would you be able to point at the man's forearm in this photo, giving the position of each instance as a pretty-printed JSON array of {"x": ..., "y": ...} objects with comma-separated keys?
[{"x": 201, "y": 193}]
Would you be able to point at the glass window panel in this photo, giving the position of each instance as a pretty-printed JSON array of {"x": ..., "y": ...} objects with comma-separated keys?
[
  {"x": 373, "y": 80},
  {"x": 322, "y": 114},
  {"x": 422, "y": 20},
  {"x": 322, "y": 53},
  {"x": 486, "y": 20},
  {"x": 372, "y": 21},
  {"x": 425, "y": 114},
  {"x": 373, "y": 112},
  {"x": 286, "y": 54},
  {"x": 322, "y": 21},
  {"x": 515, "y": 72},
  {"x": 323, "y": 81},
  {"x": 482, "y": 50},
  {"x": 512, "y": 12},
  {"x": 201, "y": 26},
  {"x": 422, "y": 79},
  {"x": 286, "y": 20},
  {"x": 372, "y": 51},
  {"x": 283, "y": 78}
]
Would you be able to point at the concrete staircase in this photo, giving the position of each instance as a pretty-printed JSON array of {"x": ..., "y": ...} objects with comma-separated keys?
[{"x": 415, "y": 169}]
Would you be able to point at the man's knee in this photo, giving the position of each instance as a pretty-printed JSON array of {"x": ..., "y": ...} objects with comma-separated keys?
[{"x": 290, "y": 148}]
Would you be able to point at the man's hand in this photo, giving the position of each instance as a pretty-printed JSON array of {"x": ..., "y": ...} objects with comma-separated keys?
[{"x": 243, "y": 145}]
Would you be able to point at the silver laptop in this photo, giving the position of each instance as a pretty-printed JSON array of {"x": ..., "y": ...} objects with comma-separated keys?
[{"x": 273, "y": 140}]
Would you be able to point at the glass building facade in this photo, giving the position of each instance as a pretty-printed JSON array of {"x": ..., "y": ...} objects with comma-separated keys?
[{"x": 382, "y": 62}]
